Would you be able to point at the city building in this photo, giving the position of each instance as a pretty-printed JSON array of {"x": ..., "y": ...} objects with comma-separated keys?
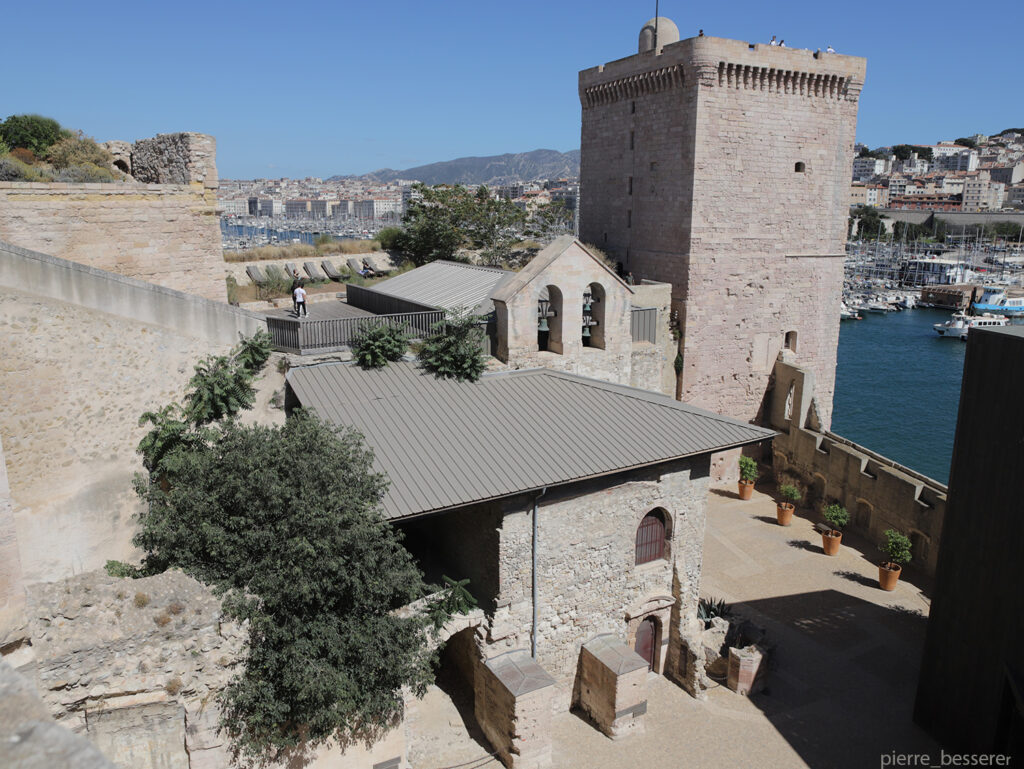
[
  {"x": 868, "y": 167},
  {"x": 723, "y": 167}
]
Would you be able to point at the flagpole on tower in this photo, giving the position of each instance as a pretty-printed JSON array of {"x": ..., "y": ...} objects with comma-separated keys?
[{"x": 656, "y": 26}]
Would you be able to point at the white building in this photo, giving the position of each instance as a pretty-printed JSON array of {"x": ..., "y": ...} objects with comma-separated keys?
[{"x": 866, "y": 168}]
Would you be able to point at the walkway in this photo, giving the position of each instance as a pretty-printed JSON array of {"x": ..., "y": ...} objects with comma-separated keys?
[{"x": 840, "y": 692}]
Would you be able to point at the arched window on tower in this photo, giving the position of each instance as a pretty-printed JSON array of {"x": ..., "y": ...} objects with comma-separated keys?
[
  {"x": 652, "y": 537},
  {"x": 593, "y": 316},
  {"x": 549, "y": 320},
  {"x": 790, "y": 341}
]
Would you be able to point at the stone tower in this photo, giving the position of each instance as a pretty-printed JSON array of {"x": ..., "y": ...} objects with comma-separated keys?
[{"x": 723, "y": 168}]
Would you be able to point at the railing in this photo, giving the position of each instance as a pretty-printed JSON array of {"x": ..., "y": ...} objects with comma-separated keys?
[{"x": 333, "y": 334}]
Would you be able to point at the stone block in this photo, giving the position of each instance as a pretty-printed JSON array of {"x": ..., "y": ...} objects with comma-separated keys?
[
  {"x": 512, "y": 704},
  {"x": 747, "y": 667},
  {"x": 612, "y": 686}
]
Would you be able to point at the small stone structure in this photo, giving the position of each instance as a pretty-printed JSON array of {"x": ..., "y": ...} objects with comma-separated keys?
[
  {"x": 560, "y": 279},
  {"x": 746, "y": 670},
  {"x": 162, "y": 227},
  {"x": 513, "y": 705},
  {"x": 612, "y": 686},
  {"x": 878, "y": 493},
  {"x": 723, "y": 167}
]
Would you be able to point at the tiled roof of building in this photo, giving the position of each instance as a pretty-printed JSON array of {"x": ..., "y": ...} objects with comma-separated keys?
[{"x": 445, "y": 444}]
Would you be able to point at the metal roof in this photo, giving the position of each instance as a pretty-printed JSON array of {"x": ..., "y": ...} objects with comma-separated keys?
[
  {"x": 446, "y": 285},
  {"x": 445, "y": 444}
]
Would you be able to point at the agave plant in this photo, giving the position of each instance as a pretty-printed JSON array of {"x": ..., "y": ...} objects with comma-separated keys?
[{"x": 709, "y": 608}]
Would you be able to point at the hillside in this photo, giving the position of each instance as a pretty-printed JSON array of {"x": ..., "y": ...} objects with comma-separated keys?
[{"x": 492, "y": 170}]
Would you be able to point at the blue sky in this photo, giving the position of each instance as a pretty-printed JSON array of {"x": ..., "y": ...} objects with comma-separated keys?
[{"x": 319, "y": 88}]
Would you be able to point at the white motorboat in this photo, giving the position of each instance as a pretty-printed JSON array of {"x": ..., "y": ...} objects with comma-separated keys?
[
  {"x": 996, "y": 300},
  {"x": 961, "y": 323},
  {"x": 845, "y": 313}
]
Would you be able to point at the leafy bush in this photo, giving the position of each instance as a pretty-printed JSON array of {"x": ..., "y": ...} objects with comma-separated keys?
[
  {"x": 253, "y": 352},
  {"x": 86, "y": 172},
  {"x": 748, "y": 469},
  {"x": 14, "y": 170},
  {"x": 122, "y": 570},
  {"x": 33, "y": 132},
  {"x": 390, "y": 238},
  {"x": 709, "y": 608},
  {"x": 26, "y": 156},
  {"x": 455, "y": 598},
  {"x": 376, "y": 345},
  {"x": 4, "y": 149},
  {"x": 76, "y": 151},
  {"x": 285, "y": 523},
  {"x": 836, "y": 516},
  {"x": 790, "y": 493},
  {"x": 896, "y": 548},
  {"x": 453, "y": 350}
]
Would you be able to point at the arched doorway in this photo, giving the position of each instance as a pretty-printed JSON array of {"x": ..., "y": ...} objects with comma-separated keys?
[{"x": 646, "y": 643}]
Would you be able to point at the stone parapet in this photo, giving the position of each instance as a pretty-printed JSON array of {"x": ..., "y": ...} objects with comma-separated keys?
[
  {"x": 513, "y": 704},
  {"x": 879, "y": 494}
]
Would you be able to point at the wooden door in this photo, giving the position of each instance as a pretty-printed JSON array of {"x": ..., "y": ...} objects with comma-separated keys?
[{"x": 644, "y": 644}]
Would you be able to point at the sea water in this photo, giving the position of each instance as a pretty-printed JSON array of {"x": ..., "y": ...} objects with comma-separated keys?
[{"x": 898, "y": 388}]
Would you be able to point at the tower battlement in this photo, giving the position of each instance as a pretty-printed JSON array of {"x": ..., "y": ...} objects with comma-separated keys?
[{"x": 726, "y": 63}]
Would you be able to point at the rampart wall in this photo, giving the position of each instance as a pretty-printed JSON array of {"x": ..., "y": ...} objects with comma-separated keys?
[
  {"x": 878, "y": 493},
  {"x": 162, "y": 228},
  {"x": 85, "y": 353}
]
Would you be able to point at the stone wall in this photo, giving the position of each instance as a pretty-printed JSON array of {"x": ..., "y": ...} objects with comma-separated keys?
[
  {"x": 77, "y": 372},
  {"x": 588, "y": 583},
  {"x": 166, "y": 232},
  {"x": 878, "y": 493},
  {"x": 136, "y": 666},
  {"x": 724, "y": 168}
]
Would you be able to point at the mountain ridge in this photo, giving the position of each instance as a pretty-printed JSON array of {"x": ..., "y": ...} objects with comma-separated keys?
[{"x": 488, "y": 169}]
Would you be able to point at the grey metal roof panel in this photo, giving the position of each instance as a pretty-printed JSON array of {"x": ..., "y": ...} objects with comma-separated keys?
[
  {"x": 444, "y": 443},
  {"x": 447, "y": 285}
]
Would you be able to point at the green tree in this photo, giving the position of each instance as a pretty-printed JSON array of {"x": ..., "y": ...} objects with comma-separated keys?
[
  {"x": 963, "y": 141},
  {"x": 391, "y": 238},
  {"x": 904, "y": 151},
  {"x": 33, "y": 132},
  {"x": 454, "y": 348},
  {"x": 550, "y": 220},
  {"x": 444, "y": 218},
  {"x": 285, "y": 523}
]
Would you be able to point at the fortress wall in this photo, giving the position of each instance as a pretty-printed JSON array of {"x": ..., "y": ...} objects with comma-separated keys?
[
  {"x": 165, "y": 232},
  {"x": 878, "y": 493},
  {"x": 84, "y": 355}
]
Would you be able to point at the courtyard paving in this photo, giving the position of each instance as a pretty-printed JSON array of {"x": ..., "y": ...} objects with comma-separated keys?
[{"x": 840, "y": 690}]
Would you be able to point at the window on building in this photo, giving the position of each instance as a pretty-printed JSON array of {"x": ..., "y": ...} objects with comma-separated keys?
[
  {"x": 790, "y": 343},
  {"x": 651, "y": 536},
  {"x": 632, "y": 107},
  {"x": 629, "y": 218},
  {"x": 631, "y": 185},
  {"x": 799, "y": 167},
  {"x": 631, "y": 138}
]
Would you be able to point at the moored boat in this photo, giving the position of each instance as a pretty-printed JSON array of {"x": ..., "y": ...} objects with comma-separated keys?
[{"x": 961, "y": 323}]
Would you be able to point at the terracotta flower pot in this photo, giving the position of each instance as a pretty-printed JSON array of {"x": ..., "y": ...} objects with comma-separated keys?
[
  {"x": 784, "y": 512},
  {"x": 888, "y": 575},
  {"x": 830, "y": 541},
  {"x": 746, "y": 489}
]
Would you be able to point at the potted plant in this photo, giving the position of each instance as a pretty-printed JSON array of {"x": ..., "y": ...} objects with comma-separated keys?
[
  {"x": 835, "y": 515},
  {"x": 748, "y": 474},
  {"x": 785, "y": 507},
  {"x": 897, "y": 552}
]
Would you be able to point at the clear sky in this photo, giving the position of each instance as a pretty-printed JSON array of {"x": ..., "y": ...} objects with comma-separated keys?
[{"x": 320, "y": 88}]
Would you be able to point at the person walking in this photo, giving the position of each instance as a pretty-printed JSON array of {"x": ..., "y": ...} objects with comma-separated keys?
[
  {"x": 299, "y": 296},
  {"x": 296, "y": 283}
]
